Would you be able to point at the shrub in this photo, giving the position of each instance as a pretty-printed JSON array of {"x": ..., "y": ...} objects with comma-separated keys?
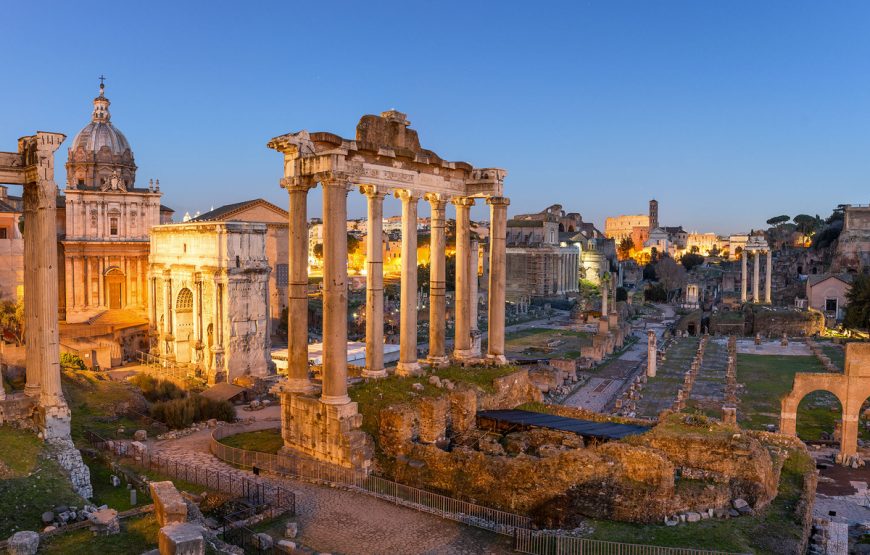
[
  {"x": 181, "y": 413},
  {"x": 156, "y": 390},
  {"x": 71, "y": 361}
]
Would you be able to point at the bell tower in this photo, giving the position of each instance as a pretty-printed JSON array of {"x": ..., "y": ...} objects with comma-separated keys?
[{"x": 653, "y": 214}]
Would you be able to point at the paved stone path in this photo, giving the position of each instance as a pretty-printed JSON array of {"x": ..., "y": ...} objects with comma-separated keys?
[
  {"x": 708, "y": 392},
  {"x": 661, "y": 391},
  {"x": 795, "y": 347},
  {"x": 339, "y": 521}
]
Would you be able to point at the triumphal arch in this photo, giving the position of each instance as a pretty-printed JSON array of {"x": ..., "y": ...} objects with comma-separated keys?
[
  {"x": 384, "y": 159},
  {"x": 851, "y": 388}
]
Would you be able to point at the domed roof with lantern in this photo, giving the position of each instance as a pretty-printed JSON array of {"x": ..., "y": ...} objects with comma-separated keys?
[{"x": 100, "y": 158}]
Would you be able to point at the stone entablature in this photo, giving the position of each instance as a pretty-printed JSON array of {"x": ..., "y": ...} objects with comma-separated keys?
[{"x": 209, "y": 297}]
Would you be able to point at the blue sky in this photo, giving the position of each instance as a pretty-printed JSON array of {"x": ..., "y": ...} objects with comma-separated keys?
[{"x": 727, "y": 112}]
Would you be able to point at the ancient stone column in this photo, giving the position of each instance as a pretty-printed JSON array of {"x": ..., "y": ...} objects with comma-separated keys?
[
  {"x": 374, "y": 284},
  {"x": 168, "y": 337},
  {"x": 335, "y": 290},
  {"x": 497, "y": 276},
  {"x": 743, "y": 275},
  {"x": 196, "y": 348},
  {"x": 408, "y": 365},
  {"x": 756, "y": 282},
  {"x": 218, "y": 330},
  {"x": 651, "y": 354},
  {"x": 462, "y": 343},
  {"x": 768, "y": 279},
  {"x": 437, "y": 280},
  {"x": 473, "y": 304},
  {"x": 605, "y": 286},
  {"x": 297, "y": 285},
  {"x": 40, "y": 196},
  {"x": 32, "y": 353}
]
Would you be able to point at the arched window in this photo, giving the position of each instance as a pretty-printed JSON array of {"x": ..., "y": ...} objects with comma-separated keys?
[{"x": 184, "y": 302}]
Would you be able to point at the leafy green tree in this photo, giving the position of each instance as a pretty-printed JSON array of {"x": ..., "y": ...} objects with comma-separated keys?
[
  {"x": 625, "y": 247},
  {"x": 12, "y": 320},
  {"x": 318, "y": 250},
  {"x": 352, "y": 244},
  {"x": 778, "y": 220},
  {"x": 858, "y": 304},
  {"x": 691, "y": 260}
]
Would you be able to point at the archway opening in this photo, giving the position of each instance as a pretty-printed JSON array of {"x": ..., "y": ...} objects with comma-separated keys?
[
  {"x": 183, "y": 325},
  {"x": 819, "y": 417}
]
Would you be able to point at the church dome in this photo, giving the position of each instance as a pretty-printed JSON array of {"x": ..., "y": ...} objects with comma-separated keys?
[{"x": 100, "y": 152}]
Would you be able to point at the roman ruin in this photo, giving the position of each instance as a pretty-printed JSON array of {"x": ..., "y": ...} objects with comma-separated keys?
[
  {"x": 209, "y": 298},
  {"x": 755, "y": 247},
  {"x": 385, "y": 158},
  {"x": 42, "y": 401}
]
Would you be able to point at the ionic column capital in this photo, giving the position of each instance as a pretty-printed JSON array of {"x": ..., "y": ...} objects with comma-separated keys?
[
  {"x": 462, "y": 201},
  {"x": 498, "y": 201},
  {"x": 335, "y": 179},
  {"x": 406, "y": 195},
  {"x": 300, "y": 184},
  {"x": 436, "y": 200},
  {"x": 373, "y": 191}
]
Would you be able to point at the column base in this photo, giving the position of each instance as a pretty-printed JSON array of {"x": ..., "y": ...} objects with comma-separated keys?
[
  {"x": 464, "y": 354},
  {"x": 32, "y": 390},
  {"x": 408, "y": 369},
  {"x": 54, "y": 419},
  {"x": 374, "y": 374},
  {"x": 297, "y": 385},
  {"x": 437, "y": 362},
  {"x": 335, "y": 399},
  {"x": 498, "y": 360}
]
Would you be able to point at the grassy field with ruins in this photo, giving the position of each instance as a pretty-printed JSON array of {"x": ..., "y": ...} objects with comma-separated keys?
[
  {"x": 660, "y": 391},
  {"x": 766, "y": 379},
  {"x": 138, "y": 535}
]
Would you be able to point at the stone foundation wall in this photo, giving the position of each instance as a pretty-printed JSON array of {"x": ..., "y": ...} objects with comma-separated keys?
[
  {"x": 17, "y": 410},
  {"x": 325, "y": 432},
  {"x": 772, "y": 323}
]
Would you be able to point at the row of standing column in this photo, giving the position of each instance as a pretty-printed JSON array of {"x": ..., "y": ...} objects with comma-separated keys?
[
  {"x": 567, "y": 274},
  {"x": 756, "y": 277},
  {"x": 335, "y": 189}
]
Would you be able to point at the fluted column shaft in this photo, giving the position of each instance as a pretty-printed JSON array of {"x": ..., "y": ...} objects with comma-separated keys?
[
  {"x": 756, "y": 294},
  {"x": 437, "y": 280},
  {"x": 297, "y": 286},
  {"x": 605, "y": 287},
  {"x": 32, "y": 355},
  {"x": 335, "y": 291},
  {"x": 167, "y": 314},
  {"x": 408, "y": 364},
  {"x": 743, "y": 275},
  {"x": 462, "y": 308},
  {"x": 473, "y": 305},
  {"x": 768, "y": 294},
  {"x": 374, "y": 284},
  {"x": 497, "y": 276}
]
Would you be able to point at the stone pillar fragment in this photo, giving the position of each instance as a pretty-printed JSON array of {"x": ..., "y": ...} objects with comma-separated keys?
[
  {"x": 408, "y": 365},
  {"x": 768, "y": 279},
  {"x": 743, "y": 275},
  {"x": 335, "y": 290},
  {"x": 497, "y": 277},
  {"x": 756, "y": 281},
  {"x": 651, "y": 351},
  {"x": 437, "y": 280},
  {"x": 374, "y": 284},
  {"x": 297, "y": 285}
]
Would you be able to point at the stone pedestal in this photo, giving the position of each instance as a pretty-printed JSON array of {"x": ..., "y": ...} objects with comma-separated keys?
[
  {"x": 181, "y": 539},
  {"x": 325, "y": 432},
  {"x": 169, "y": 505}
]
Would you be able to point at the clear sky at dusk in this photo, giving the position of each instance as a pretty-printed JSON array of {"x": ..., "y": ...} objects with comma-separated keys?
[{"x": 727, "y": 112}]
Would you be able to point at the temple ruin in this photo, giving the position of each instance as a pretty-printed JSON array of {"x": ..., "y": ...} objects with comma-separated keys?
[
  {"x": 42, "y": 401},
  {"x": 755, "y": 247},
  {"x": 384, "y": 159}
]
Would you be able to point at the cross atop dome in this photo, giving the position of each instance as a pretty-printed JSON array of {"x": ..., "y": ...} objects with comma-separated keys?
[{"x": 101, "y": 104}]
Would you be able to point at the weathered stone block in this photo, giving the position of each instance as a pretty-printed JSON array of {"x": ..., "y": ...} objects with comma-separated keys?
[
  {"x": 181, "y": 539},
  {"x": 169, "y": 505},
  {"x": 23, "y": 543}
]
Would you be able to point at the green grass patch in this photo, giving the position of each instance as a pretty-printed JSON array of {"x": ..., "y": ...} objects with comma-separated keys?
[
  {"x": 264, "y": 441},
  {"x": 836, "y": 353},
  {"x": 31, "y": 483},
  {"x": 105, "y": 493},
  {"x": 767, "y": 378},
  {"x": 138, "y": 534}
]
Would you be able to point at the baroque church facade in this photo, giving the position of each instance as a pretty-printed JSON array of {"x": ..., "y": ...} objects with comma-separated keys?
[{"x": 106, "y": 223}]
